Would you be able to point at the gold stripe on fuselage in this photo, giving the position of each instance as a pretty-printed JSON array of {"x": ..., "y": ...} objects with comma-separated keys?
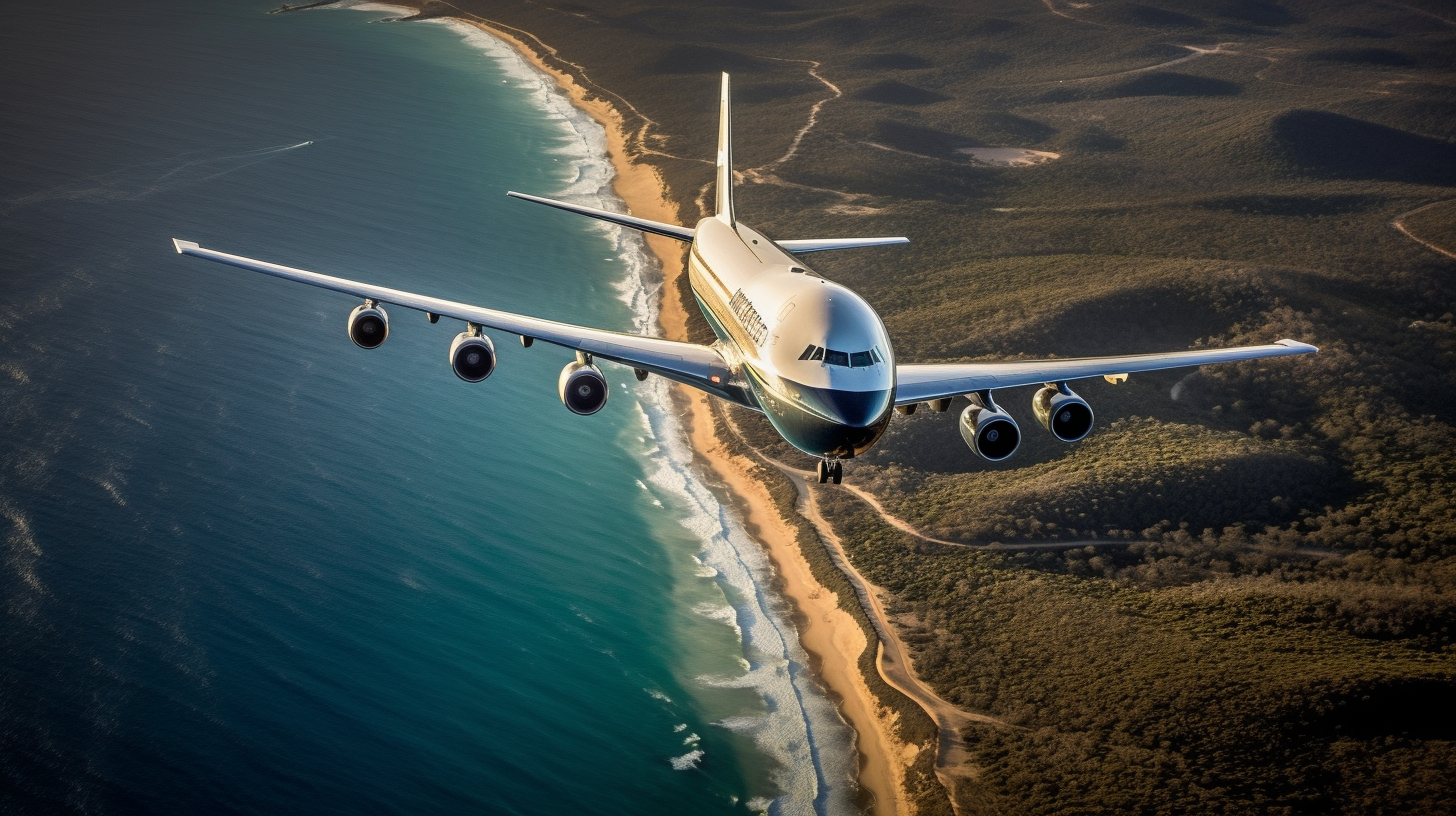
[{"x": 713, "y": 294}]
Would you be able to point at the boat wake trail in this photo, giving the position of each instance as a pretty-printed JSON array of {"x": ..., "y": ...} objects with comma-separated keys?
[{"x": 140, "y": 181}]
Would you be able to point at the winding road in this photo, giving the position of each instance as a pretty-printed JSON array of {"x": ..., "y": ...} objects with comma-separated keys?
[
  {"x": 952, "y": 761},
  {"x": 1399, "y": 224}
]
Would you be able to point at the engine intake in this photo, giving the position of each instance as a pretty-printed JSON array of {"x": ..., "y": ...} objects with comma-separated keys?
[
  {"x": 988, "y": 430},
  {"x": 472, "y": 356},
  {"x": 368, "y": 325},
  {"x": 582, "y": 388},
  {"x": 1061, "y": 411}
]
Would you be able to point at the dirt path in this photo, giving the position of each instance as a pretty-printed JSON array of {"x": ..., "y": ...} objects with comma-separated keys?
[
  {"x": 904, "y": 526},
  {"x": 1054, "y": 10},
  {"x": 759, "y": 174},
  {"x": 952, "y": 761},
  {"x": 1198, "y": 53},
  {"x": 953, "y": 766},
  {"x": 1399, "y": 225}
]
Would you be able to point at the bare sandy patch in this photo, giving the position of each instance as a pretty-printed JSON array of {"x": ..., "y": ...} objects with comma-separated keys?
[{"x": 1009, "y": 156}]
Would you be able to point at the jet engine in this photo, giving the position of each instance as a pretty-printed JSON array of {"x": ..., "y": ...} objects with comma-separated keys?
[
  {"x": 990, "y": 432},
  {"x": 368, "y": 325},
  {"x": 1061, "y": 411},
  {"x": 472, "y": 356},
  {"x": 582, "y": 387}
]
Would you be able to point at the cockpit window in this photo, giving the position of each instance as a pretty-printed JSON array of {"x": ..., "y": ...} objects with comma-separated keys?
[{"x": 857, "y": 359}]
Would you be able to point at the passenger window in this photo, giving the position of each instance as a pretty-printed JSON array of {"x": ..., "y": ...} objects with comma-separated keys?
[
  {"x": 860, "y": 359},
  {"x": 836, "y": 358}
]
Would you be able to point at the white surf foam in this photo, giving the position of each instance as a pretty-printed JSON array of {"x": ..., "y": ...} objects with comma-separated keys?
[
  {"x": 800, "y": 728},
  {"x": 687, "y": 761}
]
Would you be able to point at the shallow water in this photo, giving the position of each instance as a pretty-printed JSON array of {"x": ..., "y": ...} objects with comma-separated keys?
[{"x": 248, "y": 567}]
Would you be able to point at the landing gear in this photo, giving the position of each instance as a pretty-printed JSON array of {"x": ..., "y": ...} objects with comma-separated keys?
[{"x": 829, "y": 471}]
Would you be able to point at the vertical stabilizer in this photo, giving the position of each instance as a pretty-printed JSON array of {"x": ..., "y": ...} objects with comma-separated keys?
[{"x": 725, "y": 158}]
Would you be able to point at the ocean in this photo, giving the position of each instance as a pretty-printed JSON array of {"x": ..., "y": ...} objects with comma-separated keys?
[{"x": 247, "y": 567}]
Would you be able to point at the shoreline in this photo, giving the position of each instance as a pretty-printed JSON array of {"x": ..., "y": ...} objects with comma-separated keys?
[{"x": 831, "y": 637}]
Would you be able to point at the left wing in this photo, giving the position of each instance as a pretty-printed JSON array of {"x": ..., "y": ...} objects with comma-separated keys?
[
  {"x": 922, "y": 383},
  {"x": 699, "y": 366}
]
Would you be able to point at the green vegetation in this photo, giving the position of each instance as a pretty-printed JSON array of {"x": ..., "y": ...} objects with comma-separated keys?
[
  {"x": 1253, "y": 609},
  {"x": 1322, "y": 690}
]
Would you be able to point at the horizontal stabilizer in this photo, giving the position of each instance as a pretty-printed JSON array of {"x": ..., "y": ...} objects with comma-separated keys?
[
  {"x": 654, "y": 227},
  {"x": 821, "y": 244}
]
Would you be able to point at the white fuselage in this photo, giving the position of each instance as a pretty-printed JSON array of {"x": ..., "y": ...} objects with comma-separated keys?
[{"x": 814, "y": 355}]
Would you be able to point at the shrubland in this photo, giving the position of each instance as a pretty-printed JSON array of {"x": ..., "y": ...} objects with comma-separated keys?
[{"x": 1245, "y": 604}]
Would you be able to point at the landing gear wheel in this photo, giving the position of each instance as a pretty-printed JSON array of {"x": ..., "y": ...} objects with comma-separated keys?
[
  {"x": 837, "y": 472},
  {"x": 822, "y": 471}
]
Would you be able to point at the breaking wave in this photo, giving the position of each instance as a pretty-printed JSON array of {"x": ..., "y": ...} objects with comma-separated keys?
[{"x": 800, "y": 729}]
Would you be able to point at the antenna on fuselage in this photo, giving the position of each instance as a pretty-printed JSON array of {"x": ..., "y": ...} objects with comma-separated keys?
[{"x": 725, "y": 158}]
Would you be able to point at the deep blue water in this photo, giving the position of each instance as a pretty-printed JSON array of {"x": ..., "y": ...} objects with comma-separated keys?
[{"x": 248, "y": 567}]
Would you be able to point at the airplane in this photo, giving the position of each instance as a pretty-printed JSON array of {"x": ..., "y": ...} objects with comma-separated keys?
[{"x": 809, "y": 354}]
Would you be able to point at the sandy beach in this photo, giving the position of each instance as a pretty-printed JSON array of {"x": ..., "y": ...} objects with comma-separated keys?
[{"x": 829, "y": 634}]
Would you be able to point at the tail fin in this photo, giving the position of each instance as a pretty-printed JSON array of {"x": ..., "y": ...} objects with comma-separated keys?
[{"x": 725, "y": 158}]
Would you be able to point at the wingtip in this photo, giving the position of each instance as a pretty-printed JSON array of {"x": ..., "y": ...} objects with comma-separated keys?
[
  {"x": 1302, "y": 348},
  {"x": 182, "y": 246}
]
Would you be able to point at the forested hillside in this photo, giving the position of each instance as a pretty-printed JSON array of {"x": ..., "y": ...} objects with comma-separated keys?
[{"x": 1254, "y": 609}]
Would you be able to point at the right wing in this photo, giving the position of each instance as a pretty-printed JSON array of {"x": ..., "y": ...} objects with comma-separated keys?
[
  {"x": 700, "y": 366},
  {"x": 922, "y": 383},
  {"x": 801, "y": 245}
]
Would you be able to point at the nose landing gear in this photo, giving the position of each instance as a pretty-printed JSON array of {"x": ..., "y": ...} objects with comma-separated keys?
[{"x": 827, "y": 470}]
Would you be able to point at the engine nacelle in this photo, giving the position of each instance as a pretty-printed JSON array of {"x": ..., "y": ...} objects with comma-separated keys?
[
  {"x": 990, "y": 432},
  {"x": 472, "y": 356},
  {"x": 582, "y": 388},
  {"x": 1061, "y": 411},
  {"x": 368, "y": 325}
]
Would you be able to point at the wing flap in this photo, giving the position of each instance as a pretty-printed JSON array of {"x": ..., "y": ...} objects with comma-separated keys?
[
  {"x": 696, "y": 365},
  {"x": 920, "y": 383}
]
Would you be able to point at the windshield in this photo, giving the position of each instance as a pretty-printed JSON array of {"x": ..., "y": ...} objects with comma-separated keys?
[{"x": 845, "y": 359}]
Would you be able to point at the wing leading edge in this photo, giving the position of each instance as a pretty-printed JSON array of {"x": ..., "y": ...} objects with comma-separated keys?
[
  {"x": 688, "y": 363},
  {"x": 921, "y": 383}
]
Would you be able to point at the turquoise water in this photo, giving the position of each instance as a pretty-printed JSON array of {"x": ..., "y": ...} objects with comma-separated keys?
[{"x": 248, "y": 567}]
